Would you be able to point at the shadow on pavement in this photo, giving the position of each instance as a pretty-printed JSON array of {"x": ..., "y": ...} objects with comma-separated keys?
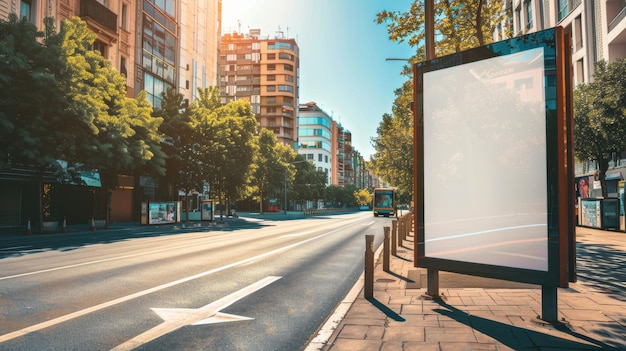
[
  {"x": 520, "y": 338},
  {"x": 386, "y": 310},
  {"x": 16, "y": 244},
  {"x": 601, "y": 267}
]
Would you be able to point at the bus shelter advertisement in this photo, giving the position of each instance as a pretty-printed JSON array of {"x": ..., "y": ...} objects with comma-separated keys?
[
  {"x": 161, "y": 212},
  {"x": 492, "y": 113}
]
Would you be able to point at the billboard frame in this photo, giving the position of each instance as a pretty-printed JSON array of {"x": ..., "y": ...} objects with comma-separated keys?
[{"x": 559, "y": 172}]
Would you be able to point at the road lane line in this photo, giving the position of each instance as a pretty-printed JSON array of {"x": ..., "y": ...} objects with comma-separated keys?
[
  {"x": 83, "y": 312},
  {"x": 94, "y": 262},
  {"x": 176, "y": 318}
]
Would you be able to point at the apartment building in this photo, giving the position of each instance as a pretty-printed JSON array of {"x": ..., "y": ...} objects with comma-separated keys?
[
  {"x": 265, "y": 72},
  {"x": 177, "y": 46},
  {"x": 597, "y": 28},
  {"x": 344, "y": 165},
  {"x": 315, "y": 138},
  {"x": 156, "y": 45}
]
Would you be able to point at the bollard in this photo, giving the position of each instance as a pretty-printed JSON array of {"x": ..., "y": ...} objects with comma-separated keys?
[
  {"x": 368, "y": 289},
  {"x": 394, "y": 237},
  {"x": 386, "y": 250},
  {"x": 29, "y": 230}
]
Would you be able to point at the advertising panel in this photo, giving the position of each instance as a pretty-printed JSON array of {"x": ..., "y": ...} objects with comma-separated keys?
[
  {"x": 163, "y": 212},
  {"x": 492, "y": 114}
]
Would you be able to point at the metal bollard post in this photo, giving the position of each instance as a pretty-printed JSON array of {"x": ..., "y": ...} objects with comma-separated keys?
[
  {"x": 368, "y": 290},
  {"x": 394, "y": 237},
  {"x": 386, "y": 250}
]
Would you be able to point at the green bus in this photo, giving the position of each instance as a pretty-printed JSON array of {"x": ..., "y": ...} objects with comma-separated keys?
[{"x": 385, "y": 202}]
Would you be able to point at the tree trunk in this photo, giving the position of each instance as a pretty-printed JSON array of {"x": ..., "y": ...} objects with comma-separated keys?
[{"x": 604, "y": 166}]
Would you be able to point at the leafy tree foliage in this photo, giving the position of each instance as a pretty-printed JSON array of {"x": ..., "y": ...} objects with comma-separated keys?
[
  {"x": 30, "y": 110},
  {"x": 273, "y": 165},
  {"x": 225, "y": 138},
  {"x": 600, "y": 116},
  {"x": 339, "y": 197},
  {"x": 459, "y": 25},
  {"x": 183, "y": 171},
  {"x": 363, "y": 197},
  {"x": 116, "y": 134},
  {"x": 393, "y": 159},
  {"x": 309, "y": 183}
]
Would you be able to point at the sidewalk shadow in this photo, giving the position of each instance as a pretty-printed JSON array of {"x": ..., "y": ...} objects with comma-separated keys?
[
  {"x": 597, "y": 267},
  {"x": 520, "y": 338},
  {"x": 386, "y": 310},
  {"x": 408, "y": 280}
]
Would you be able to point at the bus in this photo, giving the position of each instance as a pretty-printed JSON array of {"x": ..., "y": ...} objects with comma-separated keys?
[{"x": 384, "y": 202}]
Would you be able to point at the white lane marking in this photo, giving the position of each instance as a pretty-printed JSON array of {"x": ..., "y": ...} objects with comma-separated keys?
[
  {"x": 175, "y": 318},
  {"x": 298, "y": 234},
  {"x": 73, "y": 315},
  {"x": 368, "y": 223},
  {"x": 93, "y": 262}
]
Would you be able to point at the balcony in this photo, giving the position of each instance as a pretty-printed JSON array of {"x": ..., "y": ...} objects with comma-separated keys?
[
  {"x": 98, "y": 16},
  {"x": 617, "y": 19}
]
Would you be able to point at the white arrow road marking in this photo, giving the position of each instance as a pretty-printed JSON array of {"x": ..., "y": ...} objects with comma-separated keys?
[{"x": 175, "y": 318}]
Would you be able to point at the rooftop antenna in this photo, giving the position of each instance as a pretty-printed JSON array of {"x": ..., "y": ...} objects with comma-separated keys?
[
  {"x": 238, "y": 26},
  {"x": 287, "y": 32}
]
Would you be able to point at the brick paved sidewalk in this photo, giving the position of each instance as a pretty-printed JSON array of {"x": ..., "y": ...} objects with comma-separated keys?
[{"x": 401, "y": 317}]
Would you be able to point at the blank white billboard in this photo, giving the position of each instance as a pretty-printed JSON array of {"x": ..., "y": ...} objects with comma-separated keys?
[{"x": 485, "y": 192}]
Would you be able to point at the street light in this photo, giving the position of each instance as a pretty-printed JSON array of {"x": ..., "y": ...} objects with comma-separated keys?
[{"x": 285, "y": 204}]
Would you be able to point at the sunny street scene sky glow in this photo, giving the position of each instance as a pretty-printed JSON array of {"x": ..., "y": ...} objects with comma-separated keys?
[{"x": 342, "y": 55}]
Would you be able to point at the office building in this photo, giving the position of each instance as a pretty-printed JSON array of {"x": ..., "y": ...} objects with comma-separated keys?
[{"x": 315, "y": 138}]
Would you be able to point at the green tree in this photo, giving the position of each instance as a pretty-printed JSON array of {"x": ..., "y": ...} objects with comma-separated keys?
[
  {"x": 183, "y": 171},
  {"x": 309, "y": 183},
  {"x": 30, "y": 98},
  {"x": 600, "y": 116},
  {"x": 273, "y": 167},
  {"x": 115, "y": 134},
  {"x": 363, "y": 197},
  {"x": 393, "y": 159},
  {"x": 226, "y": 143},
  {"x": 459, "y": 25}
]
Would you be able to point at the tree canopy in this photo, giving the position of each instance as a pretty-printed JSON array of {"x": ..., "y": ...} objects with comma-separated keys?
[
  {"x": 600, "y": 116},
  {"x": 459, "y": 25}
]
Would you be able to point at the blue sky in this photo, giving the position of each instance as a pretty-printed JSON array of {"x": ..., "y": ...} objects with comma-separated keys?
[{"x": 342, "y": 55}]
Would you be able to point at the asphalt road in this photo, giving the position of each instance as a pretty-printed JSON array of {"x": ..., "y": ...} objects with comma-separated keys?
[{"x": 252, "y": 285}]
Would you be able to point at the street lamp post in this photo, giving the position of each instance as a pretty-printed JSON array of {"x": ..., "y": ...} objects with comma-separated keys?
[{"x": 285, "y": 204}]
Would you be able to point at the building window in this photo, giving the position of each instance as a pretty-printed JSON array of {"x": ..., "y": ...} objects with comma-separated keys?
[
  {"x": 326, "y": 158},
  {"x": 100, "y": 47},
  {"x": 563, "y": 8},
  {"x": 285, "y": 56},
  {"x": 271, "y": 77},
  {"x": 288, "y": 78},
  {"x": 319, "y": 157},
  {"x": 271, "y": 88},
  {"x": 309, "y": 156},
  {"x": 271, "y": 56},
  {"x": 271, "y": 110},
  {"x": 271, "y": 67},
  {"x": 123, "y": 66},
  {"x": 288, "y": 67},
  {"x": 124, "y": 16},
  {"x": 283, "y": 87},
  {"x": 26, "y": 9},
  {"x": 529, "y": 14}
]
